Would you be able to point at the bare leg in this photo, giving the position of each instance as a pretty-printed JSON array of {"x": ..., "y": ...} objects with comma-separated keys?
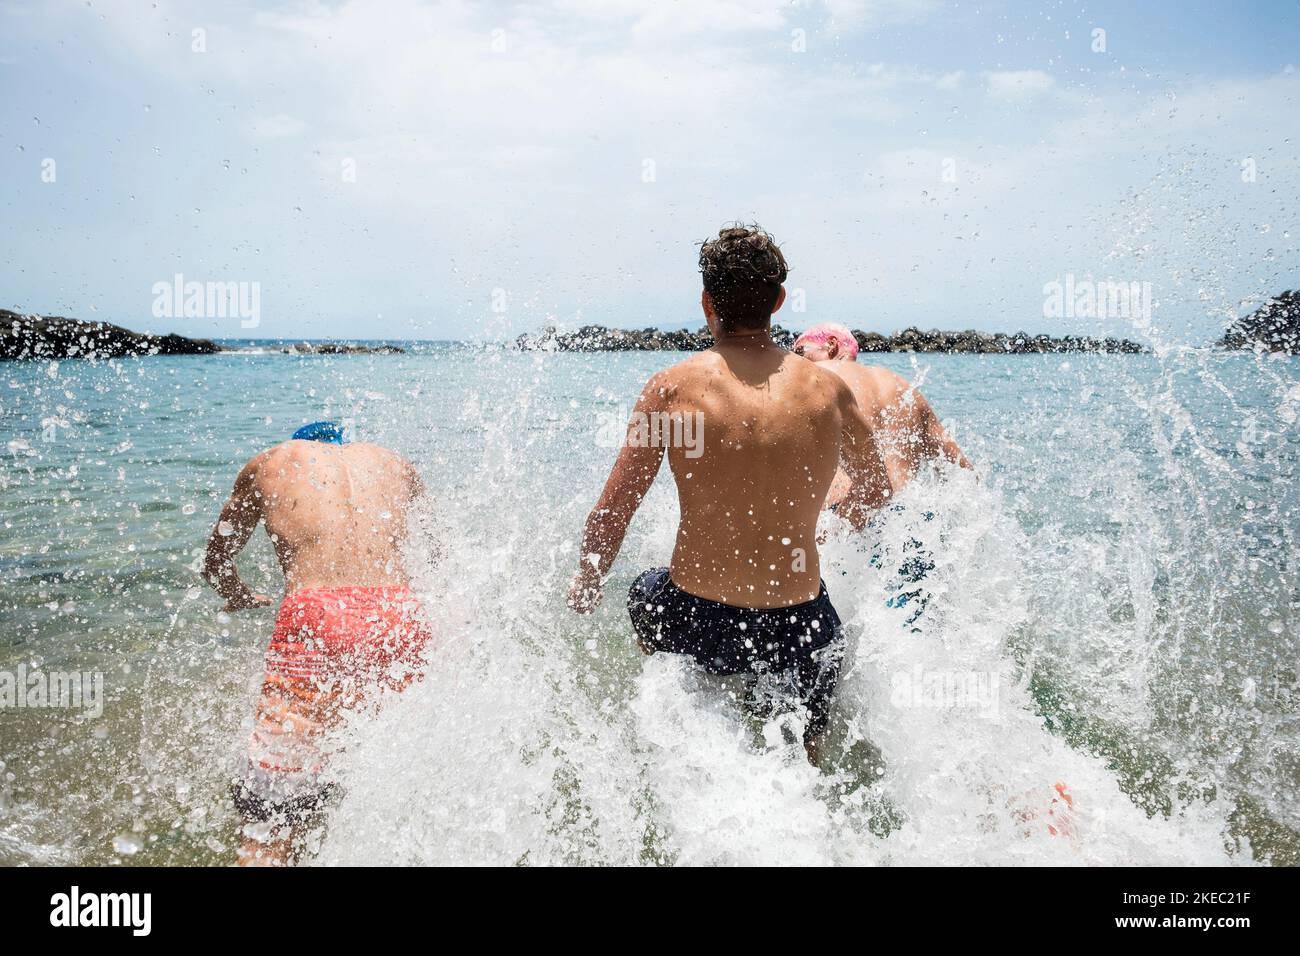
[
  {"x": 278, "y": 848},
  {"x": 275, "y": 853},
  {"x": 812, "y": 745},
  {"x": 818, "y": 676},
  {"x": 272, "y": 853},
  {"x": 1053, "y": 809}
]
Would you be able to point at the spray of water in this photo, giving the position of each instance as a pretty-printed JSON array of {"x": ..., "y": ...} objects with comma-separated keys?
[{"x": 1108, "y": 607}]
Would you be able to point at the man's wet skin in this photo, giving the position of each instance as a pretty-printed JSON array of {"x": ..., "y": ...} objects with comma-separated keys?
[
  {"x": 907, "y": 429},
  {"x": 335, "y": 513},
  {"x": 750, "y": 502},
  {"x": 775, "y": 427}
]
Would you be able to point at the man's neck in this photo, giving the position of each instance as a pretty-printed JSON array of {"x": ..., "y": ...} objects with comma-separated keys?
[{"x": 758, "y": 339}]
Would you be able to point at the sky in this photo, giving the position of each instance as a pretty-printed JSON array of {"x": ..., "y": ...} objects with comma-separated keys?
[{"x": 452, "y": 170}]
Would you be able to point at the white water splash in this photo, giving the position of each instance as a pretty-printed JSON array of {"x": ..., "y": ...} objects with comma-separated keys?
[{"x": 520, "y": 748}]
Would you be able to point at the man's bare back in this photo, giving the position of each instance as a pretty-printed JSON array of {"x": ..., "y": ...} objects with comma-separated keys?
[
  {"x": 907, "y": 429},
  {"x": 336, "y": 515},
  {"x": 750, "y": 501},
  {"x": 774, "y": 427}
]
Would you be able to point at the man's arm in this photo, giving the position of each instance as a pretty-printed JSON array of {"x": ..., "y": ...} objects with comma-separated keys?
[
  {"x": 937, "y": 442},
  {"x": 236, "y": 524},
  {"x": 869, "y": 487},
  {"x": 932, "y": 439},
  {"x": 633, "y": 472}
]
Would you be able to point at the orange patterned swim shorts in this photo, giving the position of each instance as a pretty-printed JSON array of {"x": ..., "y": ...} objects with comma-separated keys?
[{"x": 333, "y": 650}]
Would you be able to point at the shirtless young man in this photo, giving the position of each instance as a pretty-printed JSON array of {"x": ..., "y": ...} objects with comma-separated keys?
[
  {"x": 743, "y": 592},
  {"x": 909, "y": 432},
  {"x": 348, "y": 625},
  {"x": 910, "y": 435}
]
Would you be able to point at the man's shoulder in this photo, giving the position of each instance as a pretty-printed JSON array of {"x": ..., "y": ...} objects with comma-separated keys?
[
  {"x": 884, "y": 383},
  {"x": 827, "y": 374},
  {"x": 262, "y": 457},
  {"x": 379, "y": 454},
  {"x": 272, "y": 460},
  {"x": 667, "y": 380},
  {"x": 692, "y": 364},
  {"x": 881, "y": 374},
  {"x": 260, "y": 467},
  {"x": 292, "y": 448}
]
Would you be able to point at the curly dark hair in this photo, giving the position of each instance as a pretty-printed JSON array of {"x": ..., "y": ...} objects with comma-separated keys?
[{"x": 743, "y": 270}]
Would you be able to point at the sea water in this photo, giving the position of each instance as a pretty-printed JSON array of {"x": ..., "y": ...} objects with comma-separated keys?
[{"x": 1109, "y": 604}]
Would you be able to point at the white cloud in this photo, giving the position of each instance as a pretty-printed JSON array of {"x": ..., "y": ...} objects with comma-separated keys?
[{"x": 951, "y": 81}]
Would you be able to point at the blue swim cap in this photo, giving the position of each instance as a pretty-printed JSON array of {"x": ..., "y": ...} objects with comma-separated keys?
[{"x": 321, "y": 431}]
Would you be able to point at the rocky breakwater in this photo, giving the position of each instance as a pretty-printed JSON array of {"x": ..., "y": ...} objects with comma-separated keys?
[
  {"x": 597, "y": 338},
  {"x": 1273, "y": 327},
  {"x": 55, "y": 337}
]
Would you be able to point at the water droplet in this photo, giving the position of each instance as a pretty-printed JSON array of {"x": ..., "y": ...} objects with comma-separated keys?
[{"x": 126, "y": 844}]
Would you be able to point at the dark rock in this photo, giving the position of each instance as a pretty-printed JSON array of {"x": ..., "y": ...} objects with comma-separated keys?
[
  {"x": 871, "y": 341},
  {"x": 1273, "y": 327},
  {"x": 596, "y": 338},
  {"x": 341, "y": 348},
  {"x": 53, "y": 337}
]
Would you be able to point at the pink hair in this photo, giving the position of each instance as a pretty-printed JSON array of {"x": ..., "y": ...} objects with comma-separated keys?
[{"x": 826, "y": 332}]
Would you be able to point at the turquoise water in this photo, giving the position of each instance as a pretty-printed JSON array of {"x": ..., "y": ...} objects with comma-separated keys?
[{"x": 1125, "y": 568}]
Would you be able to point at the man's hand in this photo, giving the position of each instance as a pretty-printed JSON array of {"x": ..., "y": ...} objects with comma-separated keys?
[
  {"x": 246, "y": 602},
  {"x": 587, "y": 590}
]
